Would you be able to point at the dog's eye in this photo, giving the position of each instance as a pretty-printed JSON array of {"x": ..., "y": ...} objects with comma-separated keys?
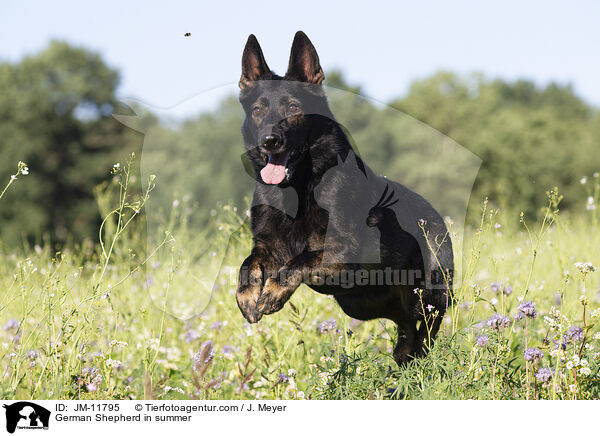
[
  {"x": 293, "y": 108},
  {"x": 257, "y": 111}
]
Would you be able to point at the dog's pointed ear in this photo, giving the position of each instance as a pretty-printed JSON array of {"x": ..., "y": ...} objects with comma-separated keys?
[
  {"x": 304, "y": 61},
  {"x": 254, "y": 66}
]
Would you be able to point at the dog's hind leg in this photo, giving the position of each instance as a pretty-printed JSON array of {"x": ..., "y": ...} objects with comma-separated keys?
[{"x": 405, "y": 345}]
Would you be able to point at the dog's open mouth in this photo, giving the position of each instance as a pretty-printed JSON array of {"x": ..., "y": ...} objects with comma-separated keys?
[{"x": 276, "y": 169}]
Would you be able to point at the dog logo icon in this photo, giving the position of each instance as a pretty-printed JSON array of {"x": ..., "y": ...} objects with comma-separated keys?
[{"x": 26, "y": 415}]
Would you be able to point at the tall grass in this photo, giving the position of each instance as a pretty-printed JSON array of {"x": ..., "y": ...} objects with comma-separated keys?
[{"x": 94, "y": 321}]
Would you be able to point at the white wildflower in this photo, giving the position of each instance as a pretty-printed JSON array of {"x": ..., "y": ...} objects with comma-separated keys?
[
  {"x": 291, "y": 384},
  {"x": 152, "y": 344},
  {"x": 170, "y": 388},
  {"x": 113, "y": 363},
  {"x": 585, "y": 267},
  {"x": 550, "y": 322},
  {"x": 555, "y": 352},
  {"x": 585, "y": 371},
  {"x": 118, "y": 344},
  {"x": 591, "y": 204}
]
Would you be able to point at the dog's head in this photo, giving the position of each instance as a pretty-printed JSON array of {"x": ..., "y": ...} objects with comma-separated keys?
[{"x": 284, "y": 115}]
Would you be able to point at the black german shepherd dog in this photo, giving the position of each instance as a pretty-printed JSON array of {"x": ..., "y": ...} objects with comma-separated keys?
[{"x": 297, "y": 150}]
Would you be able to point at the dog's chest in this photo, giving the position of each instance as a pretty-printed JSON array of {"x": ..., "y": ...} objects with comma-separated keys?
[
  {"x": 305, "y": 232},
  {"x": 289, "y": 236}
]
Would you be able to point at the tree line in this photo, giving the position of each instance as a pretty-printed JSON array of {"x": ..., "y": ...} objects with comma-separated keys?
[{"x": 56, "y": 114}]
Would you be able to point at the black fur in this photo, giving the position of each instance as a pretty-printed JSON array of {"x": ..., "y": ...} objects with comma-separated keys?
[{"x": 289, "y": 124}]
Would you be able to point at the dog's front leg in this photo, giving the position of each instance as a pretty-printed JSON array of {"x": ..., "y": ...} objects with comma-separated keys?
[
  {"x": 278, "y": 289},
  {"x": 250, "y": 283}
]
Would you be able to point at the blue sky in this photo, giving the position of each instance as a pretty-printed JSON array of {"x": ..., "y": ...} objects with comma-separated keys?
[{"x": 382, "y": 47}]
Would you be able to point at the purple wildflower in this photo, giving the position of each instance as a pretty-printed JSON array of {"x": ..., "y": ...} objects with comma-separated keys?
[
  {"x": 282, "y": 378},
  {"x": 498, "y": 322},
  {"x": 192, "y": 335},
  {"x": 217, "y": 325},
  {"x": 90, "y": 379},
  {"x": 11, "y": 324},
  {"x": 527, "y": 308},
  {"x": 203, "y": 357},
  {"x": 500, "y": 287},
  {"x": 354, "y": 323},
  {"x": 215, "y": 383},
  {"x": 343, "y": 358},
  {"x": 482, "y": 341},
  {"x": 532, "y": 354},
  {"x": 148, "y": 282},
  {"x": 544, "y": 374},
  {"x": 574, "y": 334},
  {"x": 328, "y": 326},
  {"x": 227, "y": 349},
  {"x": 557, "y": 299}
]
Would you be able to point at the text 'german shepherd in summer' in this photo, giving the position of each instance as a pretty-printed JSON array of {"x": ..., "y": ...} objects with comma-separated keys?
[{"x": 321, "y": 217}]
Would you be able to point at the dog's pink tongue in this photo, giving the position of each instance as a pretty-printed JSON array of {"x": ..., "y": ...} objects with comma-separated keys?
[{"x": 273, "y": 174}]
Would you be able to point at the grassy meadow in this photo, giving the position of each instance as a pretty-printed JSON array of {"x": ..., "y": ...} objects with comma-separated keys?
[{"x": 95, "y": 321}]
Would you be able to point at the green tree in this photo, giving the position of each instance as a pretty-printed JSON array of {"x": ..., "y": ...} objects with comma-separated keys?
[
  {"x": 530, "y": 138},
  {"x": 56, "y": 114}
]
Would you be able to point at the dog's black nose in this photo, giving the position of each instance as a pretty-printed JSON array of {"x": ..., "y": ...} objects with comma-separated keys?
[{"x": 270, "y": 141}]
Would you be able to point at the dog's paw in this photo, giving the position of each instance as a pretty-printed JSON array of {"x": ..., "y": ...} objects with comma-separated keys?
[
  {"x": 247, "y": 298},
  {"x": 273, "y": 297}
]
